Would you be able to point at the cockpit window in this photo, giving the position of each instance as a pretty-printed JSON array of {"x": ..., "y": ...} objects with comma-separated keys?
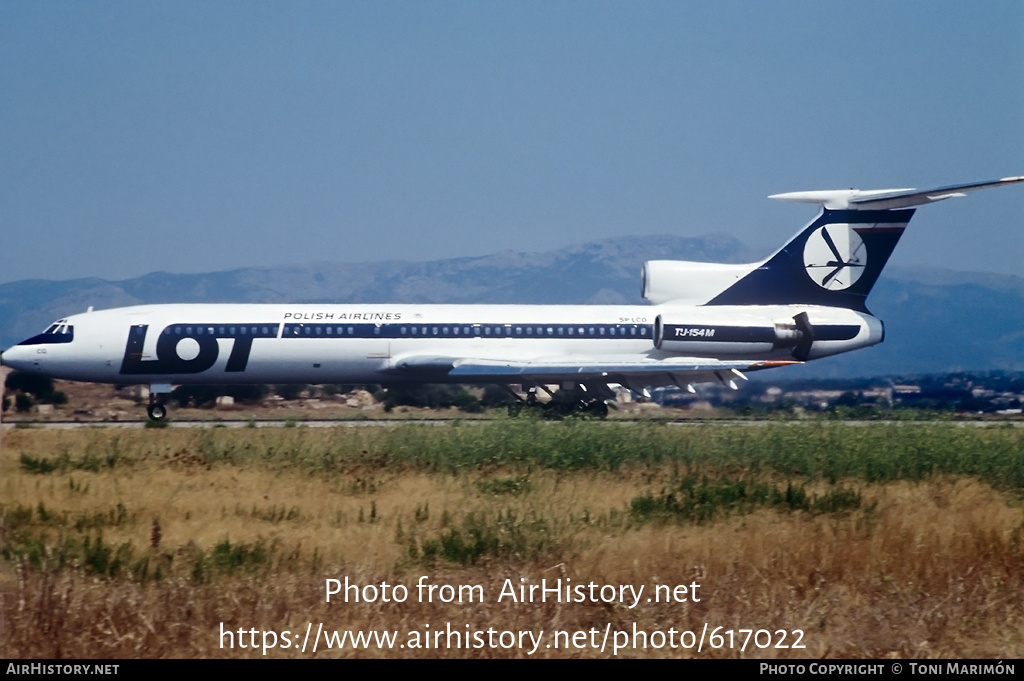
[{"x": 58, "y": 332}]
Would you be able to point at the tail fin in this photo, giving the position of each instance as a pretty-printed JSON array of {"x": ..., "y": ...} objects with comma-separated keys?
[{"x": 836, "y": 259}]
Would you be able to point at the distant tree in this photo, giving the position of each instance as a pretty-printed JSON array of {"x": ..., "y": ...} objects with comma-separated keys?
[
  {"x": 847, "y": 399},
  {"x": 496, "y": 396},
  {"x": 39, "y": 386},
  {"x": 290, "y": 391},
  {"x": 431, "y": 395},
  {"x": 195, "y": 395},
  {"x": 23, "y": 402},
  {"x": 247, "y": 394},
  {"x": 331, "y": 389},
  {"x": 206, "y": 395}
]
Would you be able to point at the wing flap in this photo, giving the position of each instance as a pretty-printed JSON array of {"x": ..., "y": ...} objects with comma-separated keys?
[{"x": 611, "y": 370}]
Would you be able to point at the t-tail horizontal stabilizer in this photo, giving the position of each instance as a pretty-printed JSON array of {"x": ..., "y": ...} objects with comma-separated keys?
[{"x": 887, "y": 199}]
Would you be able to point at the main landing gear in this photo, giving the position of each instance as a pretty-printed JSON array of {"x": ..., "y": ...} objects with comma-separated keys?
[{"x": 564, "y": 403}]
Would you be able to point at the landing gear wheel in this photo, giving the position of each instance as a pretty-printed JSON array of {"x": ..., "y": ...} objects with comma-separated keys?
[{"x": 157, "y": 412}]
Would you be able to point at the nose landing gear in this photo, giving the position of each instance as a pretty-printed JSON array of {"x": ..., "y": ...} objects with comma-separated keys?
[
  {"x": 157, "y": 408},
  {"x": 156, "y": 411}
]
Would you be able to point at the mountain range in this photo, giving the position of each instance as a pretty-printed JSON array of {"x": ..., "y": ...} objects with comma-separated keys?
[{"x": 936, "y": 320}]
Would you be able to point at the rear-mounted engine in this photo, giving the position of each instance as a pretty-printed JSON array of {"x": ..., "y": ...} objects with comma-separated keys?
[{"x": 807, "y": 334}]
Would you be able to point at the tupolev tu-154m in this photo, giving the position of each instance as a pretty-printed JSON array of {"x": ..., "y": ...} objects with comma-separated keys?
[{"x": 705, "y": 323}]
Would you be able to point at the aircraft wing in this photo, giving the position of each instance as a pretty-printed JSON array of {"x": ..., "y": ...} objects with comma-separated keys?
[{"x": 630, "y": 372}]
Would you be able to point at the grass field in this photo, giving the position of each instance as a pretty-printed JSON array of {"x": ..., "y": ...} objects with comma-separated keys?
[{"x": 902, "y": 540}]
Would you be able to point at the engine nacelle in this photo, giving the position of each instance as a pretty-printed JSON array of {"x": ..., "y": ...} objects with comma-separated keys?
[
  {"x": 712, "y": 334},
  {"x": 800, "y": 334}
]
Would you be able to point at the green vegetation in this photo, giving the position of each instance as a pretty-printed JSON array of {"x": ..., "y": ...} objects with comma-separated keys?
[
  {"x": 822, "y": 450},
  {"x": 701, "y": 500},
  {"x": 479, "y": 535},
  {"x": 227, "y": 559}
]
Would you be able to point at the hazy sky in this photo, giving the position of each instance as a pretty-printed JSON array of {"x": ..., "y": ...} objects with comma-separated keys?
[{"x": 198, "y": 136}]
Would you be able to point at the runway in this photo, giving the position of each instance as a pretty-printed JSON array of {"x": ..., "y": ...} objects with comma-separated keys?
[{"x": 395, "y": 423}]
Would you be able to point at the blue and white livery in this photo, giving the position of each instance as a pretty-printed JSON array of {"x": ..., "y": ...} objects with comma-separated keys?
[{"x": 705, "y": 322}]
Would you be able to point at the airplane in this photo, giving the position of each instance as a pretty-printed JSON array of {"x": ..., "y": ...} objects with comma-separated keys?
[{"x": 705, "y": 322}]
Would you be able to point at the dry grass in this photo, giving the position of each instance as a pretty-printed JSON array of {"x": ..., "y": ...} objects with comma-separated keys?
[{"x": 933, "y": 568}]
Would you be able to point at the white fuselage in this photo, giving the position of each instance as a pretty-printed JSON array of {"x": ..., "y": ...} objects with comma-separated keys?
[{"x": 375, "y": 343}]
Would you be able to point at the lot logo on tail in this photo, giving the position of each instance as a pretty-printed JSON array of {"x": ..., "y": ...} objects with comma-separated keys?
[{"x": 835, "y": 257}]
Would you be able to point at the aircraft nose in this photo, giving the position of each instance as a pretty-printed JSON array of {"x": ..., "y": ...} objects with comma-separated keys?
[{"x": 19, "y": 357}]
